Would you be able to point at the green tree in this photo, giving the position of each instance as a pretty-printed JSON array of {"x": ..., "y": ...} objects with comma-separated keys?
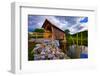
[
  {"x": 67, "y": 37},
  {"x": 40, "y": 30},
  {"x": 67, "y": 31}
]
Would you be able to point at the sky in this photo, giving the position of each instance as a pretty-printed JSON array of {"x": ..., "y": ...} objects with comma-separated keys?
[{"x": 73, "y": 23}]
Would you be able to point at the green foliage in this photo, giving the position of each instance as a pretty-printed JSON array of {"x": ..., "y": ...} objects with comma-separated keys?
[
  {"x": 67, "y": 31},
  {"x": 31, "y": 46},
  {"x": 84, "y": 34},
  {"x": 40, "y": 30},
  {"x": 71, "y": 38}
]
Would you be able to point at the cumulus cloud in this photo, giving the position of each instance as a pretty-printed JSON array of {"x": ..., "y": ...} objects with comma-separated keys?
[{"x": 73, "y": 23}]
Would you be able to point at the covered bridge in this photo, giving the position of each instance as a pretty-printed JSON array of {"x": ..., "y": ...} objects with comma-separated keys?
[{"x": 53, "y": 31}]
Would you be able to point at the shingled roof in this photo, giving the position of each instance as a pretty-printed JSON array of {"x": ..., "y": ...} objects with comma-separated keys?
[{"x": 48, "y": 21}]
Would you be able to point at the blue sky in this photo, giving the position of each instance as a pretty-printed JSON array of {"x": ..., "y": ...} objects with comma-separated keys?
[{"x": 73, "y": 23}]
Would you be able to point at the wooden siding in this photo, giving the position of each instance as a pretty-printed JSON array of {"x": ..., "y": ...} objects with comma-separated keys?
[{"x": 56, "y": 32}]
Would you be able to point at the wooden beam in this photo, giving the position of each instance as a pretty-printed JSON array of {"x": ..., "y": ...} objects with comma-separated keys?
[{"x": 52, "y": 33}]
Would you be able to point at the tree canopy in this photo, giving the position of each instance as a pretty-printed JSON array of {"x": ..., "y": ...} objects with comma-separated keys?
[
  {"x": 40, "y": 30},
  {"x": 67, "y": 31}
]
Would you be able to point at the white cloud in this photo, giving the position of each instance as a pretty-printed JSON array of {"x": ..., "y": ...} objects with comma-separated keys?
[
  {"x": 73, "y": 29},
  {"x": 57, "y": 22},
  {"x": 64, "y": 24}
]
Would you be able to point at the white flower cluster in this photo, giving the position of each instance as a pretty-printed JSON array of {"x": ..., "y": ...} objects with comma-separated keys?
[{"x": 49, "y": 51}]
